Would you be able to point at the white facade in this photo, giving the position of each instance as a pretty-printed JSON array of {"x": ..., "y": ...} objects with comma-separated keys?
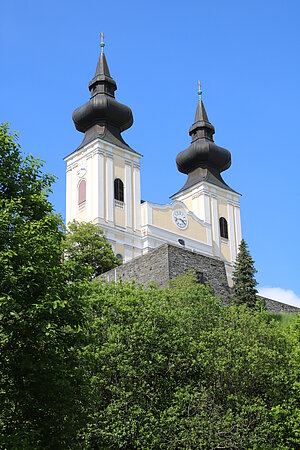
[
  {"x": 98, "y": 164},
  {"x": 211, "y": 203},
  {"x": 134, "y": 228}
]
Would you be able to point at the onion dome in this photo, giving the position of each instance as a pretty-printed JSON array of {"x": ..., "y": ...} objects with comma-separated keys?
[
  {"x": 102, "y": 116},
  {"x": 203, "y": 160}
]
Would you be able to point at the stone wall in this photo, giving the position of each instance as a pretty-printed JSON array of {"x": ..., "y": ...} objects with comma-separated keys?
[
  {"x": 275, "y": 306},
  {"x": 167, "y": 261},
  {"x": 150, "y": 268},
  {"x": 213, "y": 269}
]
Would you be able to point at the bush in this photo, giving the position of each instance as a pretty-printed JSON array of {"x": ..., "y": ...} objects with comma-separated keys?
[{"x": 174, "y": 369}]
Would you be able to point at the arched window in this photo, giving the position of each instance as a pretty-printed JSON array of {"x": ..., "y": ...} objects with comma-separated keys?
[
  {"x": 119, "y": 190},
  {"x": 81, "y": 192},
  {"x": 223, "y": 228}
]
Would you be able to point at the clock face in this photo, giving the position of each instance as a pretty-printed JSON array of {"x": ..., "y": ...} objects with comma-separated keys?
[{"x": 180, "y": 219}]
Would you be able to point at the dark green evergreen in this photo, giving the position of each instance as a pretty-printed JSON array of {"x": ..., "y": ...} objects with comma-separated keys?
[{"x": 244, "y": 283}]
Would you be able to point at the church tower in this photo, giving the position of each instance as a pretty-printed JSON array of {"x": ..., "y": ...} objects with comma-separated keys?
[
  {"x": 205, "y": 193},
  {"x": 103, "y": 173},
  {"x": 103, "y": 184}
]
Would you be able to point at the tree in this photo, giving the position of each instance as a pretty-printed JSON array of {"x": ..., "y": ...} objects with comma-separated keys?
[
  {"x": 173, "y": 369},
  {"x": 41, "y": 312},
  {"x": 148, "y": 368},
  {"x": 86, "y": 245},
  {"x": 244, "y": 283}
]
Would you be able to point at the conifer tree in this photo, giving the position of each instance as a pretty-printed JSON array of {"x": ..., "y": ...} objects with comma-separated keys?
[{"x": 244, "y": 282}]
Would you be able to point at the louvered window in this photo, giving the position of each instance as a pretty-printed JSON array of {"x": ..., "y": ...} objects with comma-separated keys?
[
  {"x": 119, "y": 190},
  {"x": 223, "y": 228}
]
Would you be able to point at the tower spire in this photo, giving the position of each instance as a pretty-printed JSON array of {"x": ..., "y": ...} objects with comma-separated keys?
[
  {"x": 102, "y": 66},
  {"x": 200, "y": 111},
  {"x": 102, "y": 116},
  {"x": 203, "y": 153}
]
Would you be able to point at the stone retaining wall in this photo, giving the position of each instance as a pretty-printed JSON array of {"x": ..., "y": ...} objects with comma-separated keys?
[
  {"x": 163, "y": 263},
  {"x": 166, "y": 262},
  {"x": 275, "y": 306},
  {"x": 150, "y": 268}
]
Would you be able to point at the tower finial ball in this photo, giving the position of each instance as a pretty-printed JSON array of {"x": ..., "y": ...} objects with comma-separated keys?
[{"x": 102, "y": 40}]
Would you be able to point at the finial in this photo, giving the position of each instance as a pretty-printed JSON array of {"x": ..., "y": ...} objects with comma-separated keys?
[
  {"x": 199, "y": 90},
  {"x": 102, "y": 45}
]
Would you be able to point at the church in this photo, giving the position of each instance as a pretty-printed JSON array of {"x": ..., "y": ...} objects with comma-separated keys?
[{"x": 103, "y": 184}]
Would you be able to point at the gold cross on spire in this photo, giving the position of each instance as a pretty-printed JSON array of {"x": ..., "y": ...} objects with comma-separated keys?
[{"x": 102, "y": 43}]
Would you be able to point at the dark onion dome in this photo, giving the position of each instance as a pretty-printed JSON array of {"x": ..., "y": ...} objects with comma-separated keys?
[
  {"x": 203, "y": 160},
  {"x": 102, "y": 116}
]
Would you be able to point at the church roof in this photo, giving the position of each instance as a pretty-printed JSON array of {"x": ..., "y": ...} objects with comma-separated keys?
[
  {"x": 103, "y": 116},
  {"x": 199, "y": 175},
  {"x": 203, "y": 153}
]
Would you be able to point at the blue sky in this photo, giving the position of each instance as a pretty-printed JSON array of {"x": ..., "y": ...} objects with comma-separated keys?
[{"x": 246, "y": 54}]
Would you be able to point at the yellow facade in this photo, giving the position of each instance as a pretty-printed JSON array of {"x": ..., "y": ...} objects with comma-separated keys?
[
  {"x": 188, "y": 201},
  {"x": 133, "y": 229},
  {"x": 225, "y": 250},
  {"x": 163, "y": 219},
  {"x": 223, "y": 209}
]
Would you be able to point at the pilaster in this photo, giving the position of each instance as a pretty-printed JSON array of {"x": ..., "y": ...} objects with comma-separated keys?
[
  {"x": 238, "y": 229},
  {"x": 74, "y": 195},
  {"x": 68, "y": 195},
  {"x": 109, "y": 189},
  {"x": 89, "y": 188},
  {"x": 128, "y": 194},
  {"x": 137, "y": 197},
  {"x": 98, "y": 183},
  {"x": 215, "y": 225},
  {"x": 231, "y": 232}
]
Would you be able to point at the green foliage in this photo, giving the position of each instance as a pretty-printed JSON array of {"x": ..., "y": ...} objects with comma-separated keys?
[
  {"x": 41, "y": 312},
  {"x": 105, "y": 366},
  {"x": 174, "y": 369},
  {"x": 243, "y": 278},
  {"x": 284, "y": 319},
  {"x": 86, "y": 246}
]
